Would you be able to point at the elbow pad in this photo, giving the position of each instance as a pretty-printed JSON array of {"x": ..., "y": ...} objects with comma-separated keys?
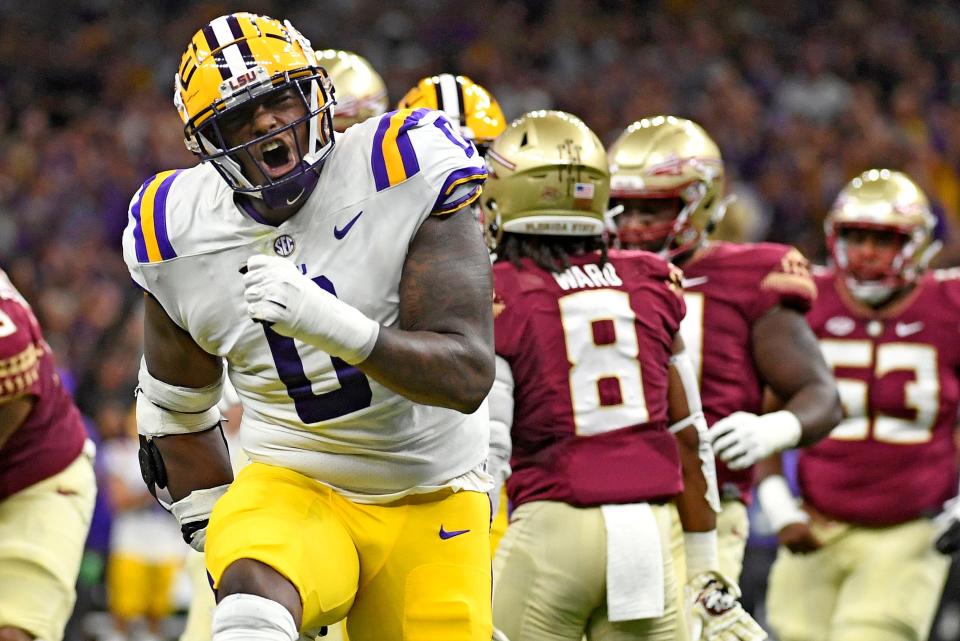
[{"x": 164, "y": 409}]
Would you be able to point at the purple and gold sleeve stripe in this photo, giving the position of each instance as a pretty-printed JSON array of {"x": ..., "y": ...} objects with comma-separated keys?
[
  {"x": 474, "y": 176},
  {"x": 150, "y": 213},
  {"x": 393, "y": 159}
]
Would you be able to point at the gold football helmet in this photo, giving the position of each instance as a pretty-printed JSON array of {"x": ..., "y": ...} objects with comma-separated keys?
[
  {"x": 882, "y": 200},
  {"x": 464, "y": 102},
  {"x": 667, "y": 158},
  {"x": 547, "y": 175},
  {"x": 361, "y": 92},
  {"x": 244, "y": 57}
]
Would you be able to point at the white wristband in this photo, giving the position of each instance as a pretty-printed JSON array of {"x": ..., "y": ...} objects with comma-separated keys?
[
  {"x": 787, "y": 426},
  {"x": 702, "y": 552},
  {"x": 778, "y": 504}
]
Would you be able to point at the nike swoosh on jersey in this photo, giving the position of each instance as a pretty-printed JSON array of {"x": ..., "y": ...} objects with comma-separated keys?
[
  {"x": 340, "y": 233},
  {"x": 906, "y": 329},
  {"x": 452, "y": 533},
  {"x": 693, "y": 282}
]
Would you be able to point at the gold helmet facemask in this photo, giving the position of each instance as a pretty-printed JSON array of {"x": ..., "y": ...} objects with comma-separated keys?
[
  {"x": 361, "y": 92},
  {"x": 235, "y": 63},
  {"x": 885, "y": 201},
  {"x": 547, "y": 176},
  {"x": 666, "y": 159},
  {"x": 464, "y": 102}
]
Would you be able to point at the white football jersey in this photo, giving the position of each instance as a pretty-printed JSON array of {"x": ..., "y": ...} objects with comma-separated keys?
[{"x": 187, "y": 239}]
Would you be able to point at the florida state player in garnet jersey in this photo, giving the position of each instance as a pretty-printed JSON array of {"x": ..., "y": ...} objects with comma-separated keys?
[
  {"x": 47, "y": 486},
  {"x": 744, "y": 326},
  {"x": 597, "y": 394},
  {"x": 858, "y": 562}
]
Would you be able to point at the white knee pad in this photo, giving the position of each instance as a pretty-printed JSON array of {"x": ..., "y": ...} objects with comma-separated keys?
[{"x": 247, "y": 617}]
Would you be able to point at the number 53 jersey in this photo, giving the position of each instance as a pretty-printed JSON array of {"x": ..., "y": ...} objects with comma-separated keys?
[
  {"x": 188, "y": 237},
  {"x": 892, "y": 458},
  {"x": 589, "y": 351}
]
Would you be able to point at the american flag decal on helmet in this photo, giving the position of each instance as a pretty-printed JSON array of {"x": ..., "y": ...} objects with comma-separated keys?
[{"x": 583, "y": 190}]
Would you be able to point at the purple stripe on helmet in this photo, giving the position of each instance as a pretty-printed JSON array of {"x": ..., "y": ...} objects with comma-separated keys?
[
  {"x": 160, "y": 217},
  {"x": 234, "y": 25},
  {"x": 407, "y": 154},
  {"x": 377, "y": 161},
  {"x": 138, "y": 242}
]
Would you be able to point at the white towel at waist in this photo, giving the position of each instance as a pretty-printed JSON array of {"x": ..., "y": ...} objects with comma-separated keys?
[{"x": 634, "y": 562}]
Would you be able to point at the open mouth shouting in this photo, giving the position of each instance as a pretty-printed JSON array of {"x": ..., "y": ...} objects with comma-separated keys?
[{"x": 275, "y": 157}]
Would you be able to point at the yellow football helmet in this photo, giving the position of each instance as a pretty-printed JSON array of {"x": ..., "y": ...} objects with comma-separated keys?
[
  {"x": 882, "y": 200},
  {"x": 464, "y": 102},
  {"x": 243, "y": 57},
  {"x": 667, "y": 158},
  {"x": 547, "y": 176},
  {"x": 361, "y": 92}
]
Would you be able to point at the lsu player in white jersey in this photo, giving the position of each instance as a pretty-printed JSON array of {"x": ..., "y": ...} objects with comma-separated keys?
[
  {"x": 350, "y": 297},
  {"x": 361, "y": 92}
]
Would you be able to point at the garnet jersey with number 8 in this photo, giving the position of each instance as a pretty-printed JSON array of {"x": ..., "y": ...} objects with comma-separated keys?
[
  {"x": 727, "y": 288},
  {"x": 52, "y": 435},
  {"x": 589, "y": 350},
  {"x": 893, "y": 457}
]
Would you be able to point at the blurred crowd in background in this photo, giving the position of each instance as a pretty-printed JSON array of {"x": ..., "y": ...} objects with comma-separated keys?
[{"x": 800, "y": 95}]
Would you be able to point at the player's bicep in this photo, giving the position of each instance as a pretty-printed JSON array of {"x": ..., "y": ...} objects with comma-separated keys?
[
  {"x": 787, "y": 354},
  {"x": 446, "y": 285},
  {"x": 172, "y": 355}
]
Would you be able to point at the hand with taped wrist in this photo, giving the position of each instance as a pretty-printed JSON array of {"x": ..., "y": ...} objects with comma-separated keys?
[
  {"x": 790, "y": 522},
  {"x": 277, "y": 293},
  {"x": 713, "y": 608},
  {"x": 193, "y": 514},
  {"x": 714, "y": 611},
  {"x": 743, "y": 438}
]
